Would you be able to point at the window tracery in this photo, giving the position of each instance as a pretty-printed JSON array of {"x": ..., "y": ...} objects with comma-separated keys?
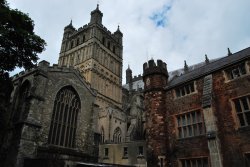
[
  {"x": 64, "y": 119},
  {"x": 117, "y": 137}
]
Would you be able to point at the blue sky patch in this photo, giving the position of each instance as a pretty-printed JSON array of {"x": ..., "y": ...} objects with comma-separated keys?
[{"x": 160, "y": 17}]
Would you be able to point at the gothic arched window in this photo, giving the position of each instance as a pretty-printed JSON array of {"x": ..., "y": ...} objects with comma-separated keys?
[
  {"x": 23, "y": 103},
  {"x": 64, "y": 118},
  {"x": 117, "y": 136}
]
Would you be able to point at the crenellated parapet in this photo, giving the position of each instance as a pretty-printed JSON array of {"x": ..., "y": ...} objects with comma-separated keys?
[
  {"x": 44, "y": 67},
  {"x": 155, "y": 75},
  {"x": 151, "y": 67}
]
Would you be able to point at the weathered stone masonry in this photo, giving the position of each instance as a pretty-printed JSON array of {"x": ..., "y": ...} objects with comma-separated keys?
[
  {"x": 211, "y": 97},
  {"x": 31, "y": 124}
]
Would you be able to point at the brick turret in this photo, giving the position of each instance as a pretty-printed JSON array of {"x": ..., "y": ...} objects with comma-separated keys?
[{"x": 155, "y": 78}]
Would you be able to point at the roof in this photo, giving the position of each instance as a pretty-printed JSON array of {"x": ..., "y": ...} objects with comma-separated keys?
[{"x": 210, "y": 68}]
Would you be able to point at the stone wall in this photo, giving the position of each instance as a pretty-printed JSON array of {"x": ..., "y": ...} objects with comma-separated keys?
[
  {"x": 224, "y": 142},
  {"x": 31, "y": 132}
]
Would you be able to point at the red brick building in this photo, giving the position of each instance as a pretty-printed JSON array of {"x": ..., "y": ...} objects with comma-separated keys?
[{"x": 200, "y": 118}]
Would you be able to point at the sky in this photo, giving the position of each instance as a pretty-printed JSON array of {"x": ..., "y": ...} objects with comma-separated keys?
[{"x": 170, "y": 30}]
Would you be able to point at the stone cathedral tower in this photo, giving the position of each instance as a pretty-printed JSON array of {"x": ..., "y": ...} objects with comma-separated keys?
[{"x": 97, "y": 53}]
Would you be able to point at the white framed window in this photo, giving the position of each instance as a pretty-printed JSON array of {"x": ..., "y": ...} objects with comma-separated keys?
[
  {"x": 185, "y": 89},
  {"x": 190, "y": 124},
  {"x": 242, "y": 108},
  {"x": 236, "y": 71},
  {"x": 194, "y": 162}
]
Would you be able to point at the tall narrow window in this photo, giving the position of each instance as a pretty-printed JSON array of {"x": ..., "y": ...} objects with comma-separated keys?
[
  {"x": 102, "y": 135},
  {"x": 83, "y": 38},
  {"x": 106, "y": 152},
  {"x": 103, "y": 40},
  {"x": 77, "y": 41},
  {"x": 64, "y": 118},
  {"x": 108, "y": 45},
  {"x": 125, "y": 151},
  {"x": 71, "y": 44},
  {"x": 117, "y": 135}
]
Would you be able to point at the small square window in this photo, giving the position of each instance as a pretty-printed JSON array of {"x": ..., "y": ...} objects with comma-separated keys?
[
  {"x": 236, "y": 71},
  {"x": 185, "y": 90}
]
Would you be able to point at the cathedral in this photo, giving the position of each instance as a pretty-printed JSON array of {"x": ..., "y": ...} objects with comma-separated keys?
[{"x": 77, "y": 113}]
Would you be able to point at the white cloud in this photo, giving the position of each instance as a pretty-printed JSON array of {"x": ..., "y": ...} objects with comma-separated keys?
[{"x": 194, "y": 28}]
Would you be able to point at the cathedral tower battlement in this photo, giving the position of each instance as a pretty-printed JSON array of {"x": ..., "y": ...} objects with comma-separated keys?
[{"x": 97, "y": 54}]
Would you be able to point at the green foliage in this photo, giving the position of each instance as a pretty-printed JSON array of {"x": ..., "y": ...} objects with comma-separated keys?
[{"x": 19, "y": 45}]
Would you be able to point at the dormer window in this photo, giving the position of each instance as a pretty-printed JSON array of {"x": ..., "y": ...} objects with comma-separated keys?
[
  {"x": 185, "y": 89},
  {"x": 236, "y": 71}
]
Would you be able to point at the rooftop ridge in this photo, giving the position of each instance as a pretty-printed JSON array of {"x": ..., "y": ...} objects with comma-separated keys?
[{"x": 216, "y": 65}]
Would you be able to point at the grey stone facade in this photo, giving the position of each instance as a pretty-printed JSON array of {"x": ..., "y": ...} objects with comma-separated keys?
[{"x": 31, "y": 125}]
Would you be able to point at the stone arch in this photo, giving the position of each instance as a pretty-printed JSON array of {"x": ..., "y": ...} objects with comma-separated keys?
[
  {"x": 117, "y": 136},
  {"x": 23, "y": 105},
  {"x": 63, "y": 126}
]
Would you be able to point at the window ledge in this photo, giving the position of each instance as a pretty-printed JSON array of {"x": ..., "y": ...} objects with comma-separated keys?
[
  {"x": 105, "y": 157},
  {"x": 192, "y": 137},
  {"x": 235, "y": 79},
  {"x": 140, "y": 156},
  {"x": 190, "y": 94},
  {"x": 244, "y": 128}
]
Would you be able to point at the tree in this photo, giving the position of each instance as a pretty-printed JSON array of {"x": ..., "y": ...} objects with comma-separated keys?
[{"x": 19, "y": 45}]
